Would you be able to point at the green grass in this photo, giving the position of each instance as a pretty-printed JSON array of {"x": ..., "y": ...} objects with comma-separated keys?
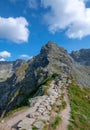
[
  {"x": 63, "y": 105},
  {"x": 56, "y": 122},
  {"x": 80, "y": 108},
  {"x": 16, "y": 110},
  {"x": 69, "y": 127},
  {"x": 34, "y": 128},
  {"x": 45, "y": 127}
]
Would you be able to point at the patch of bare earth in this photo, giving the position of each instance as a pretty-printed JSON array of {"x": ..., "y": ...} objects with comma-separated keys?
[
  {"x": 65, "y": 113},
  {"x": 11, "y": 121}
]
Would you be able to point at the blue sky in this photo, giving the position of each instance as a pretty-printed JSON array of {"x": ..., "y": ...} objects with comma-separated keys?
[{"x": 26, "y": 25}]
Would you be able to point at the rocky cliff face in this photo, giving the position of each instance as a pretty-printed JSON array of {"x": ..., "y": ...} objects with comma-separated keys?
[{"x": 29, "y": 78}]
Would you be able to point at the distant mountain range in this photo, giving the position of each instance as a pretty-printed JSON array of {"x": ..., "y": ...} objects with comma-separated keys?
[
  {"x": 82, "y": 56},
  {"x": 7, "y": 68}
]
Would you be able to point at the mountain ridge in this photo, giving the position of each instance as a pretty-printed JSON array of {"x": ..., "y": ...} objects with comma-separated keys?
[{"x": 42, "y": 84}]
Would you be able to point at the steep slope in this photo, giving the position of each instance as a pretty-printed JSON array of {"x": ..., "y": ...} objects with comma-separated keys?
[
  {"x": 81, "y": 74},
  {"x": 27, "y": 79},
  {"x": 81, "y": 66}
]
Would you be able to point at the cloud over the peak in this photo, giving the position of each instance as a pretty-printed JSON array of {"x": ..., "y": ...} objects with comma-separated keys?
[
  {"x": 14, "y": 29},
  {"x": 24, "y": 56},
  {"x": 70, "y": 15},
  {"x": 5, "y": 54}
]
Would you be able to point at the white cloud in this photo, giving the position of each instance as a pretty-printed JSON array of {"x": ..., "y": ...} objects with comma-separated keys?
[
  {"x": 5, "y": 54},
  {"x": 25, "y": 57},
  {"x": 14, "y": 29},
  {"x": 69, "y": 15},
  {"x": 2, "y": 59},
  {"x": 33, "y": 4}
]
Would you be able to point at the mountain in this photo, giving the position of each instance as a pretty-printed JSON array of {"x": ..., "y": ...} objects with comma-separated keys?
[
  {"x": 42, "y": 80},
  {"x": 82, "y": 56},
  {"x": 28, "y": 77},
  {"x": 7, "y": 68},
  {"x": 81, "y": 66}
]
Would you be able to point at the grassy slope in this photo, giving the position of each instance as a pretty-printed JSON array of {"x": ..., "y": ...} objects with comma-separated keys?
[{"x": 80, "y": 108}]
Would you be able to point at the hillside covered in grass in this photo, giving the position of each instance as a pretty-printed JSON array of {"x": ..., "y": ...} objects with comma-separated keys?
[{"x": 80, "y": 108}]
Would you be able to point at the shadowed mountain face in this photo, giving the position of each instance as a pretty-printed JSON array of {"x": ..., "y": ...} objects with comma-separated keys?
[{"x": 25, "y": 81}]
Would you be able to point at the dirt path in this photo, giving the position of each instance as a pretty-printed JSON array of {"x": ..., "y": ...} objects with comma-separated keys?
[
  {"x": 65, "y": 113},
  {"x": 14, "y": 119}
]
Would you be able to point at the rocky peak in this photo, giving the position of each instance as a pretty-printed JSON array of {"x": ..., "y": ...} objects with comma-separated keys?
[
  {"x": 53, "y": 52},
  {"x": 52, "y": 48},
  {"x": 50, "y": 54}
]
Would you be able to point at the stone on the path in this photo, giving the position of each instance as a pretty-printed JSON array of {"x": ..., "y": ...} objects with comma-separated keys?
[
  {"x": 39, "y": 125},
  {"x": 26, "y": 124}
]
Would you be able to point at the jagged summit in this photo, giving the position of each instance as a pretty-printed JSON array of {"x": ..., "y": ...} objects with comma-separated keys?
[
  {"x": 52, "y": 47},
  {"x": 55, "y": 54},
  {"x": 51, "y": 57}
]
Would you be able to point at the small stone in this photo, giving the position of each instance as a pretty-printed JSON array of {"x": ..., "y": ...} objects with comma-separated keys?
[
  {"x": 46, "y": 113},
  {"x": 26, "y": 124},
  {"x": 2, "y": 121},
  {"x": 39, "y": 125},
  {"x": 49, "y": 108},
  {"x": 46, "y": 117}
]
